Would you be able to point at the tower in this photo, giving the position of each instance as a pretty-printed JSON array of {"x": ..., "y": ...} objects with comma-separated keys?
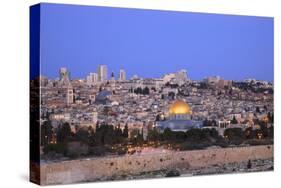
[
  {"x": 64, "y": 77},
  {"x": 112, "y": 77},
  {"x": 122, "y": 75},
  {"x": 102, "y": 73},
  {"x": 69, "y": 96}
]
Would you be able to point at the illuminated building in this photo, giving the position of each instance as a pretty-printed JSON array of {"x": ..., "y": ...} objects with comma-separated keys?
[{"x": 179, "y": 118}]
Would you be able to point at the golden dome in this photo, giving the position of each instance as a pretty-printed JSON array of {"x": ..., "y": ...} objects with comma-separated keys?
[{"x": 179, "y": 107}]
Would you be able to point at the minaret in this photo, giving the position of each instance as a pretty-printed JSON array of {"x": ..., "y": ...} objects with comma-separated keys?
[
  {"x": 112, "y": 77},
  {"x": 112, "y": 80}
]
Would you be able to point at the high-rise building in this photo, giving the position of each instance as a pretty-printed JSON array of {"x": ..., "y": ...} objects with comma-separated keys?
[
  {"x": 102, "y": 73},
  {"x": 92, "y": 78},
  {"x": 122, "y": 75}
]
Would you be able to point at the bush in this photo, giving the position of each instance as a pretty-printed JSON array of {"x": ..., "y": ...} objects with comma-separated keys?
[
  {"x": 234, "y": 134},
  {"x": 120, "y": 151},
  {"x": 60, "y": 148},
  {"x": 98, "y": 150},
  {"x": 76, "y": 149},
  {"x": 194, "y": 146},
  {"x": 173, "y": 173}
]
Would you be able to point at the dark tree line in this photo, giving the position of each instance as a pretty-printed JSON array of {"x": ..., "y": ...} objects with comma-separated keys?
[
  {"x": 99, "y": 139},
  {"x": 46, "y": 133},
  {"x": 192, "y": 135},
  {"x": 139, "y": 90},
  {"x": 209, "y": 123}
]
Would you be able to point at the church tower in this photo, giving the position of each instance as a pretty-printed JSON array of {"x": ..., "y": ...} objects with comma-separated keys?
[{"x": 69, "y": 96}]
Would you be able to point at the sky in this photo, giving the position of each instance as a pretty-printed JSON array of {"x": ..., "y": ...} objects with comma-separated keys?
[{"x": 151, "y": 43}]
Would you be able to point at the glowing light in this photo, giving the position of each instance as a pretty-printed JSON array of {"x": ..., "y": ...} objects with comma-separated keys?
[{"x": 179, "y": 107}]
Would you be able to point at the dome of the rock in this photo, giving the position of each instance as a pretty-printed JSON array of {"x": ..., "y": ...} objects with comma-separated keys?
[{"x": 179, "y": 107}]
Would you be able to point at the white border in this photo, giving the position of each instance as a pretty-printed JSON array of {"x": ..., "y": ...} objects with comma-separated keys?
[{"x": 14, "y": 82}]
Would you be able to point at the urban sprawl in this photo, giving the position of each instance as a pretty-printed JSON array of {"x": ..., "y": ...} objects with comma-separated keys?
[{"x": 149, "y": 112}]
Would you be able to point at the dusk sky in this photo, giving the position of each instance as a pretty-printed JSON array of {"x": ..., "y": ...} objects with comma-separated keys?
[{"x": 151, "y": 43}]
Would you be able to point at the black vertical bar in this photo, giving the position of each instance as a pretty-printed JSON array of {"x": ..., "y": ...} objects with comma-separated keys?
[{"x": 34, "y": 88}]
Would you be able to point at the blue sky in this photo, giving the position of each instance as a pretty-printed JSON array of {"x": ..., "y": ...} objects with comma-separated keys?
[{"x": 150, "y": 43}]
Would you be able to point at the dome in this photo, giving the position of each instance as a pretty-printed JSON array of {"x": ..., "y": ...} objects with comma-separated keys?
[{"x": 179, "y": 107}]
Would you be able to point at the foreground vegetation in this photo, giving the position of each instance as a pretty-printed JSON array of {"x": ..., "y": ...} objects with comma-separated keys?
[{"x": 107, "y": 140}]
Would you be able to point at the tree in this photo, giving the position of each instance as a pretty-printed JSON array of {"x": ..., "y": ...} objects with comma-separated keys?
[
  {"x": 206, "y": 123},
  {"x": 249, "y": 133},
  {"x": 136, "y": 137},
  {"x": 158, "y": 117},
  {"x": 172, "y": 95},
  {"x": 153, "y": 135},
  {"x": 270, "y": 117},
  {"x": 234, "y": 120},
  {"x": 82, "y": 135},
  {"x": 108, "y": 135},
  {"x": 270, "y": 132},
  {"x": 249, "y": 165},
  {"x": 64, "y": 133},
  {"x": 138, "y": 90},
  {"x": 60, "y": 148},
  {"x": 46, "y": 133},
  {"x": 92, "y": 136},
  {"x": 209, "y": 123},
  {"x": 193, "y": 135},
  {"x": 146, "y": 91},
  {"x": 258, "y": 109},
  {"x": 234, "y": 133},
  {"x": 168, "y": 134},
  {"x": 214, "y": 123},
  {"x": 126, "y": 131}
]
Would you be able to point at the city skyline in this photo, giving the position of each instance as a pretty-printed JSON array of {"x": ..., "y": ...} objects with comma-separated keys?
[
  {"x": 117, "y": 75},
  {"x": 156, "y": 42}
]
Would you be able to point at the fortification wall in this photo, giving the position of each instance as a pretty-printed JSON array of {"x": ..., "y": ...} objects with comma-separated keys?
[{"x": 98, "y": 168}]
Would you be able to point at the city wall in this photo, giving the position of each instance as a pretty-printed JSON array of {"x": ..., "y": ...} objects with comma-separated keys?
[{"x": 98, "y": 168}]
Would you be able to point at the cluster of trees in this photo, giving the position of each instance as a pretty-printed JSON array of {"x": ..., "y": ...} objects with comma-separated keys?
[
  {"x": 91, "y": 142},
  {"x": 139, "y": 90},
  {"x": 87, "y": 141},
  {"x": 192, "y": 135},
  {"x": 46, "y": 133},
  {"x": 108, "y": 135},
  {"x": 191, "y": 139},
  {"x": 209, "y": 123},
  {"x": 202, "y": 138},
  {"x": 254, "y": 87},
  {"x": 237, "y": 136}
]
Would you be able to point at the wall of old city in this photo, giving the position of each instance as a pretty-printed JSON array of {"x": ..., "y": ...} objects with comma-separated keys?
[{"x": 98, "y": 168}]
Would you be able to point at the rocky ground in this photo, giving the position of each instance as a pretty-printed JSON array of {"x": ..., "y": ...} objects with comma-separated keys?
[{"x": 247, "y": 166}]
